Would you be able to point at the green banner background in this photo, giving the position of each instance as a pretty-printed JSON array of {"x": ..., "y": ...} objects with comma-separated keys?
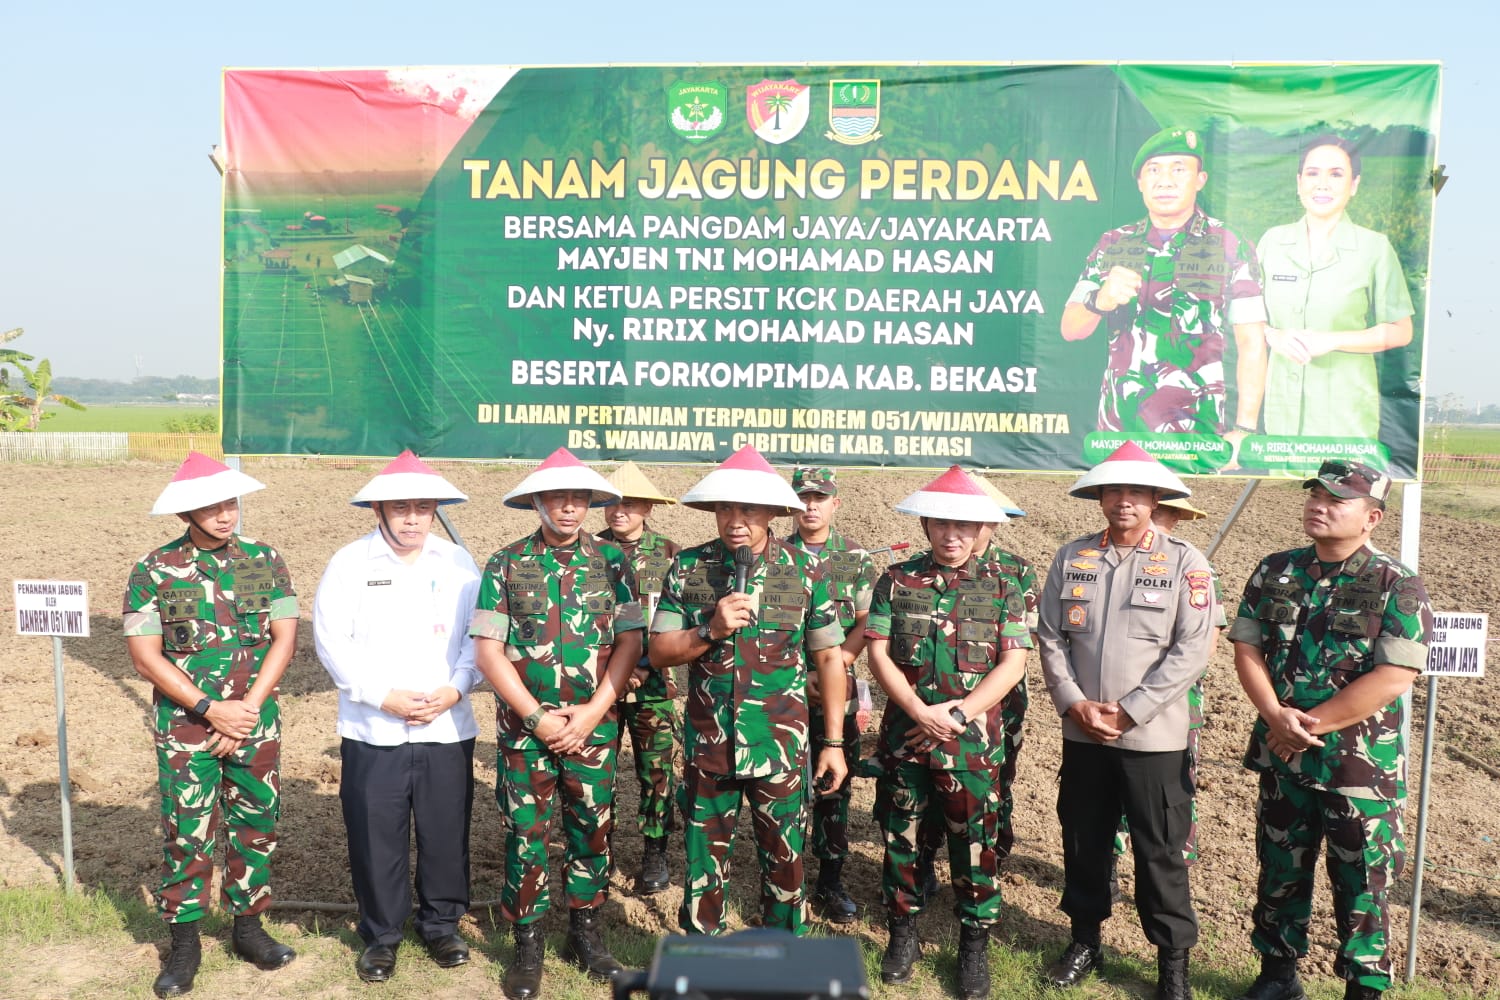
[{"x": 503, "y": 323}]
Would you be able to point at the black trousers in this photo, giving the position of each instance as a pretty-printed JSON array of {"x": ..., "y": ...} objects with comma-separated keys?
[
  {"x": 1099, "y": 783},
  {"x": 386, "y": 791}
]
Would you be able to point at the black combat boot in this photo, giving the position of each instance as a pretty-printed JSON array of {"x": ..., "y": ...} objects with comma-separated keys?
[
  {"x": 523, "y": 980},
  {"x": 973, "y": 963},
  {"x": 585, "y": 948},
  {"x": 182, "y": 962},
  {"x": 1354, "y": 991},
  {"x": 1277, "y": 981},
  {"x": 902, "y": 953},
  {"x": 927, "y": 883},
  {"x": 655, "y": 875},
  {"x": 1172, "y": 974},
  {"x": 251, "y": 942},
  {"x": 829, "y": 897}
]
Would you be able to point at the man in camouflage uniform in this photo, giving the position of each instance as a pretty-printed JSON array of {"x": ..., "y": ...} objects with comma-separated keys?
[
  {"x": 1126, "y": 628},
  {"x": 851, "y": 580},
  {"x": 1327, "y": 641},
  {"x": 948, "y": 642},
  {"x": 557, "y": 632},
  {"x": 1021, "y": 577},
  {"x": 747, "y": 714},
  {"x": 1169, "y": 288},
  {"x": 1167, "y": 515},
  {"x": 211, "y": 623},
  {"x": 647, "y": 708}
]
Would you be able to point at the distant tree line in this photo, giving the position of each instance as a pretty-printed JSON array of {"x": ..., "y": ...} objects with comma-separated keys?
[{"x": 143, "y": 389}]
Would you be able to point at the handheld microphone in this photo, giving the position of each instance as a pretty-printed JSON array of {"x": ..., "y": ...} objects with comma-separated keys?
[{"x": 743, "y": 560}]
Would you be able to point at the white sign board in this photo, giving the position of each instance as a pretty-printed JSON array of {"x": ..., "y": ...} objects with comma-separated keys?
[
  {"x": 52, "y": 607},
  {"x": 1457, "y": 645}
]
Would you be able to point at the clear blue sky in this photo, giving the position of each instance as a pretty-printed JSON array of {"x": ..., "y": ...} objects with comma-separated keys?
[{"x": 111, "y": 245}]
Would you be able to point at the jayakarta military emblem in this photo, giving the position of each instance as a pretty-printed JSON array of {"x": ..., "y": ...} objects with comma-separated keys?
[
  {"x": 777, "y": 109},
  {"x": 696, "y": 110},
  {"x": 853, "y": 111}
]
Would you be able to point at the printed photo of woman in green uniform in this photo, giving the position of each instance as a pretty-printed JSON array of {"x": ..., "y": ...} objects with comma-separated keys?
[{"x": 1336, "y": 297}]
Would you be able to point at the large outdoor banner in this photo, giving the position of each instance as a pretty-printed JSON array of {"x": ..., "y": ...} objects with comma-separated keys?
[{"x": 1004, "y": 266}]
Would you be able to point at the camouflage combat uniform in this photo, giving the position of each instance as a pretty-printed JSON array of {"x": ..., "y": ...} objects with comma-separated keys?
[
  {"x": 558, "y": 612},
  {"x": 851, "y": 580},
  {"x": 649, "y": 712},
  {"x": 1319, "y": 629},
  {"x": 1021, "y": 577},
  {"x": 947, "y": 629},
  {"x": 1166, "y": 346},
  {"x": 213, "y": 610},
  {"x": 747, "y": 718}
]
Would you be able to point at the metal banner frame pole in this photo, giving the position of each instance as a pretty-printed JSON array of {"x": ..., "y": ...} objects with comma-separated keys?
[
  {"x": 63, "y": 782},
  {"x": 1411, "y": 542}
]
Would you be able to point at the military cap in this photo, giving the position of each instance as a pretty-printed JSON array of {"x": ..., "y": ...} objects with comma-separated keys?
[
  {"x": 1351, "y": 479},
  {"x": 1173, "y": 141},
  {"x": 806, "y": 479}
]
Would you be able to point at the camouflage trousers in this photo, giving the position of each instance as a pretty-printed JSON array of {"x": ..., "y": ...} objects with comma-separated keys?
[
  {"x": 710, "y": 811},
  {"x": 1189, "y": 849},
  {"x": 830, "y": 812},
  {"x": 968, "y": 803},
  {"x": 654, "y": 739},
  {"x": 1366, "y": 853},
  {"x": 533, "y": 786},
  {"x": 1013, "y": 714},
  {"x": 198, "y": 790}
]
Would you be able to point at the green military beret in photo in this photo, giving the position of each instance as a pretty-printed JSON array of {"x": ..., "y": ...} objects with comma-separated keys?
[{"x": 1173, "y": 141}]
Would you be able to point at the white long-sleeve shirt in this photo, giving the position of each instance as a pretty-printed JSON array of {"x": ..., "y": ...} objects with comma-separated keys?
[{"x": 381, "y": 624}]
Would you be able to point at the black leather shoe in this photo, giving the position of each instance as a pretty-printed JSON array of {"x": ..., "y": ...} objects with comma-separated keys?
[
  {"x": 448, "y": 951},
  {"x": 1076, "y": 963},
  {"x": 376, "y": 963}
]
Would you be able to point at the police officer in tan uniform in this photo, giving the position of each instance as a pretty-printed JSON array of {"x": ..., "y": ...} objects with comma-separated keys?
[{"x": 1126, "y": 628}]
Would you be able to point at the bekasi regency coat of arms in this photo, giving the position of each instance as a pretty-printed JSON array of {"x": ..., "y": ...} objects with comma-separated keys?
[{"x": 853, "y": 111}]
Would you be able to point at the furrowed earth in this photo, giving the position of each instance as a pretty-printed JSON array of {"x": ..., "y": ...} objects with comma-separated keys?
[{"x": 71, "y": 522}]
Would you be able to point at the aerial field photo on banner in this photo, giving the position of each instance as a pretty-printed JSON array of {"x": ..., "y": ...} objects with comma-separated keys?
[{"x": 1013, "y": 267}]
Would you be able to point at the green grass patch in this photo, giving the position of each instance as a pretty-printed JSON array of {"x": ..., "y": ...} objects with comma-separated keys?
[
  {"x": 1461, "y": 439},
  {"x": 146, "y": 419}
]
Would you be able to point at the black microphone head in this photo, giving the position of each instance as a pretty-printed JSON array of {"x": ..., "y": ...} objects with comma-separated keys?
[{"x": 743, "y": 556}]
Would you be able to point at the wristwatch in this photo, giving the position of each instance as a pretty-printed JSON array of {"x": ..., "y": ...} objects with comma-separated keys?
[
  {"x": 956, "y": 713},
  {"x": 534, "y": 719},
  {"x": 201, "y": 709},
  {"x": 1091, "y": 303},
  {"x": 706, "y": 634}
]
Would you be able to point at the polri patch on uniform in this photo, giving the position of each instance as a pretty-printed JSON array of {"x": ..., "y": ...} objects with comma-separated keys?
[
  {"x": 1078, "y": 616},
  {"x": 1200, "y": 588}
]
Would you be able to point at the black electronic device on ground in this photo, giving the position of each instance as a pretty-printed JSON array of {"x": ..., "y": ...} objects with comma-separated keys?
[{"x": 756, "y": 964}]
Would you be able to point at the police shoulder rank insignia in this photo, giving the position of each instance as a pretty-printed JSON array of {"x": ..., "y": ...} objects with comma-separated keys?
[
  {"x": 777, "y": 109},
  {"x": 853, "y": 111},
  {"x": 1083, "y": 564},
  {"x": 696, "y": 110},
  {"x": 1200, "y": 588}
]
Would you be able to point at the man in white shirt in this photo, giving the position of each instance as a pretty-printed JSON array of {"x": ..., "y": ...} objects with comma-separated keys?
[{"x": 391, "y": 623}]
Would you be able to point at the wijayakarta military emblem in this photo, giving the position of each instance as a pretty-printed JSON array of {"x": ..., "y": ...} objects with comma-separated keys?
[{"x": 696, "y": 109}]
